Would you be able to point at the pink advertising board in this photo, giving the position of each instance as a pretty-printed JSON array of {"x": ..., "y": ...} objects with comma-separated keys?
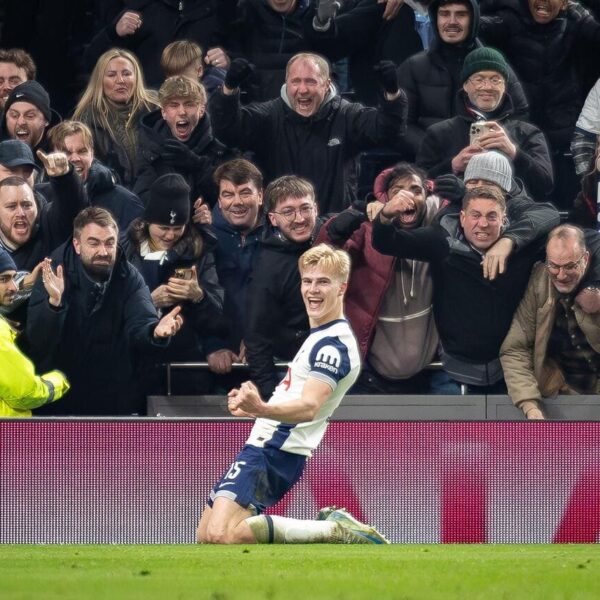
[{"x": 146, "y": 481}]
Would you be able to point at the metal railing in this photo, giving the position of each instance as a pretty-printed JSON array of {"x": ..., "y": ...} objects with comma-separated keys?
[{"x": 434, "y": 366}]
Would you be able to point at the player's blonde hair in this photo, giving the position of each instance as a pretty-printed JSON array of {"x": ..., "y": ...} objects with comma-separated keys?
[{"x": 332, "y": 260}]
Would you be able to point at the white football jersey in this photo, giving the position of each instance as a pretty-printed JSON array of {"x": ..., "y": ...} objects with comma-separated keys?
[{"x": 330, "y": 353}]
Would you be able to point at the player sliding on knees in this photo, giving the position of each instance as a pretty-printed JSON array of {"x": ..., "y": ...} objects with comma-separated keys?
[{"x": 291, "y": 425}]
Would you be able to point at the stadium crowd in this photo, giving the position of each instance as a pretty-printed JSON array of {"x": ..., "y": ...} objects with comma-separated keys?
[{"x": 205, "y": 145}]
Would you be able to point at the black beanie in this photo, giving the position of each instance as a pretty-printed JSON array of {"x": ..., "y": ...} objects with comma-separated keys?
[
  {"x": 169, "y": 202},
  {"x": 6, "y": 261},
  {"x": 32, "y": 92}
]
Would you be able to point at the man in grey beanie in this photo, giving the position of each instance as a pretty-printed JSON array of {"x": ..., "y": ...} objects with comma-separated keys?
[
  {"x": 527, "y": 220},
  {"x": 485, "y": 121}
]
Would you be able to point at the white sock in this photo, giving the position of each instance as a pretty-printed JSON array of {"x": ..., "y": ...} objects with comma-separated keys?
[{"x": 269, "y": 529}]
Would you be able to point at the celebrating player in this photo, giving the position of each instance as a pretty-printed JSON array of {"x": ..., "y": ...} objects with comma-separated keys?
[{"x": 291, "y": 425}]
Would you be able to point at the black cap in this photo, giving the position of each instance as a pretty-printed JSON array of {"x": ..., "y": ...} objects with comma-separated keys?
[
  {"x": 32, "y": 92},
  {"x": 169, "y": 202},
  {"x": 6, "y": 261},
  {"x": 15, "y": 153}
]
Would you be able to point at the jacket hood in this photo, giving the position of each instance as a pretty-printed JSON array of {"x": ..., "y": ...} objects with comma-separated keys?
[
  {"x": 473, "y": 30},
  {"x": 333, "y": 93}
]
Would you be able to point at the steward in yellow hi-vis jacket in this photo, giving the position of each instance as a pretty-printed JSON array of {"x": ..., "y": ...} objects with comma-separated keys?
[{"x": 20, "y": 388}]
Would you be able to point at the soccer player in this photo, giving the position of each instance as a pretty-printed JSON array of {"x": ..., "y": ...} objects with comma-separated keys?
[{"x": 291, "y": 425}]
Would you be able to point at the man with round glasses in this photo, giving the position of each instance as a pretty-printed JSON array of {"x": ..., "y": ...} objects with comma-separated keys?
[
  {"x": 553, "y": 345},
  {"x": 448, "y": 146},
  {"x": 277, "y": 323}
]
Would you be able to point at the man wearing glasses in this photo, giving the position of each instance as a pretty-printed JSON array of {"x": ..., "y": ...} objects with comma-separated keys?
[
  {"x": 553, "y": 345},
  {"x": 484, "y": 103},
  {"x": 277, "y": 324},
  {"x": 431, "y": 78}
]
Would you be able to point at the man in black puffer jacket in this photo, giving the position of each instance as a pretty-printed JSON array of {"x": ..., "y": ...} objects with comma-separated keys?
[
  {"x": 432, "y": 78},
  {"x": 277, "y": 323},
  {"x": 448, "y": 147},
  {"x": 178, "y": 138}
]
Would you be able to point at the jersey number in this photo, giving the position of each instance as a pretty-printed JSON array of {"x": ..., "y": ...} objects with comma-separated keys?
[{"x": 235, "y": 469}]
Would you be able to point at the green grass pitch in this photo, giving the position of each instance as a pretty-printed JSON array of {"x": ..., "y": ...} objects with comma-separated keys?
[{"x": 307, "y": 572}]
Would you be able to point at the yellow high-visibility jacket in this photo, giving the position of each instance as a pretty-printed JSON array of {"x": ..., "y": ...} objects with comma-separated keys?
[{"x": 20, "y": 388}]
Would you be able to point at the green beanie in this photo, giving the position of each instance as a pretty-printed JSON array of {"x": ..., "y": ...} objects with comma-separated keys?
[{"x": 484, "y": 59}]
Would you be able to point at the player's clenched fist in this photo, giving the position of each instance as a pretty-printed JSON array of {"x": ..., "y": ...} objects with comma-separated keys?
[{"x": 245, "y": 401}]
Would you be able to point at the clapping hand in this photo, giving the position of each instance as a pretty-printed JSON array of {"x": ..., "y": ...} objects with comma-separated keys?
[
  {"x": 54, "y": 283},
  {"x": 29, "y": 280}
]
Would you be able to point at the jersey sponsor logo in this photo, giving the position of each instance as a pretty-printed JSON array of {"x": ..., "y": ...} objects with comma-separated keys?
[
  {"x": 334, "y": 141},
  {"x": 328, "y": 359}
]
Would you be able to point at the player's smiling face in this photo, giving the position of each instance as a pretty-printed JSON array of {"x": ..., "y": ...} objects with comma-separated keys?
[{"x": 323, "y": 295}]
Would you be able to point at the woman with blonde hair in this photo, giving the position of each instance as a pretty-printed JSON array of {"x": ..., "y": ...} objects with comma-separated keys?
[{"x": 112, "y": 105}]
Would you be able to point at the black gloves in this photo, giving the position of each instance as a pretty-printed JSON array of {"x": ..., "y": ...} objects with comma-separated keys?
[
  {"x": 239, "y": 70},
  {"x": 388, "y": 76},
  {"x": 177, "y": 154},
  {"x": 449, "y": 187},
  {"x": 342, "y": 226}
]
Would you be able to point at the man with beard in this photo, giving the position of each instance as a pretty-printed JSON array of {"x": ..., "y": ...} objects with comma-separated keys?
[
  {"x": 20, "y": 388},
  {"x": 236, "y": 221},
  {"x": 88, "y": 317},
  {"x": 277, "y": 323},
  {"x": 28, "y": 116},
  {"x": 389, "y": 300},
  {"x": 16, "y": 66},
  {"x": 553, "y": 346},
  {"x": 31, "y": 227},
  {"x": 178, "y": 138},
  {"x": 484, "y": 104}
]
